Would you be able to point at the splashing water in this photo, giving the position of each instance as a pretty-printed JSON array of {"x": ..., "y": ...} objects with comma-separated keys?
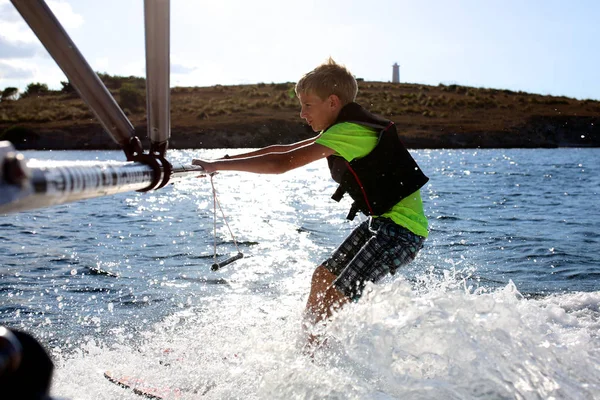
[{"x": 441, "y": 340}]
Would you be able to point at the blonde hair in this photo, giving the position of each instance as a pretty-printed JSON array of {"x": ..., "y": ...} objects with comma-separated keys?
[{"x": 327, "y": 79}]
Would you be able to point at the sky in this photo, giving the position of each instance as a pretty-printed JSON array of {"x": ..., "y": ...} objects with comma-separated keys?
[{"x": 548, "y": 47}]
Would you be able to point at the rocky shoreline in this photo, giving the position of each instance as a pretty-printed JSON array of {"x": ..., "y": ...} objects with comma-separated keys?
[{"x": 251, "y": 116}]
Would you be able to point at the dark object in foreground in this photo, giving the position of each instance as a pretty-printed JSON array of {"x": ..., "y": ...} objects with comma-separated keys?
[{"x": 25, "y": 367}]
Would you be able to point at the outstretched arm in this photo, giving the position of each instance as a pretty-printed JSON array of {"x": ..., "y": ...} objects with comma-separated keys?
[
  {"x": 276, "y": 148},
  {"x": 270, "y": 163}
]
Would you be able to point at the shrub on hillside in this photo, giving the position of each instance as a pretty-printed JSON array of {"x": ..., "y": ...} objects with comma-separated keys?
[
  {"x": 131, "y": 97},
  {"x": 114, "y": 82},
  {"x": 10, "y": 93},
  {"x": 67, "y": 87},
  {"x": 35, "y": 89}
]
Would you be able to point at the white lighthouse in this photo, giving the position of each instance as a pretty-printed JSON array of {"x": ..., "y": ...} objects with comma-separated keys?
[{"x": 395, "y": 73}]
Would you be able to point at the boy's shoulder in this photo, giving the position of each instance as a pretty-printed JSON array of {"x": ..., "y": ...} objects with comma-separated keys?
[
  {"x": 349, "y": 140},
  {"x": 350, "y": 128}
]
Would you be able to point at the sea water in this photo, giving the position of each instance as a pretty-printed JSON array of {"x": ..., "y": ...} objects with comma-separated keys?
[{"x": 502, "y": 302}]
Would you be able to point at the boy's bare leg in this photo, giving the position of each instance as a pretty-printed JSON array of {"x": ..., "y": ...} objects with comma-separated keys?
[{"x": 323, "y": 299}]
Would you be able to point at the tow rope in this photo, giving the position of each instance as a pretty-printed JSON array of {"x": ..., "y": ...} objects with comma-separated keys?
[{"x": 217, "y": 265}]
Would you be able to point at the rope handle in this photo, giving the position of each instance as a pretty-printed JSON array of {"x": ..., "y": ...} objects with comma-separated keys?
[{"x": 221, "y": 264}]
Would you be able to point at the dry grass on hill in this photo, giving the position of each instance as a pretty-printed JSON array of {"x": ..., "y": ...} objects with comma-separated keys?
[{"x": 419, "y": 110}]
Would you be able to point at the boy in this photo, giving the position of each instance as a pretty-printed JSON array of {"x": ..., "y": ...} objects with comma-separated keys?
[{"x": 368, "y": 160}]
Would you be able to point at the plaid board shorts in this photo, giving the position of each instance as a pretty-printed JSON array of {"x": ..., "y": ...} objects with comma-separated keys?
[{"x": 377, "y": 247}]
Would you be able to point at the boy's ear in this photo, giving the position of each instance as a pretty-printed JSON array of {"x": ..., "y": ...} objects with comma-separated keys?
[{"x": 334, "y": 101}]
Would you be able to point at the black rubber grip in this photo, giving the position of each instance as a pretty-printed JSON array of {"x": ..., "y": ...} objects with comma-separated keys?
[{"x": 223, "y": 263}]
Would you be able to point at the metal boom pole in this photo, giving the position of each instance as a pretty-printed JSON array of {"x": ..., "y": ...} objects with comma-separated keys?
[
  {"x": 25, "y": 185},
  {"x": 156, "y": 23},
  {"x": 55, "y": 39}
]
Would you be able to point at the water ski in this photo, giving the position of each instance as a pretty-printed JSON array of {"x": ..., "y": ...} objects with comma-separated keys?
[{"x": 143, "y": 388}]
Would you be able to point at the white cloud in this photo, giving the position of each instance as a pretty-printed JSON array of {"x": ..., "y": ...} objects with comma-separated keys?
[
  {"x": 181, "y": 69},
  {"x": 20, "y": 73},
  {"x": 101, "y": 64},
  {"x": 10, "y": 70},
  {"x": 12, "y": 27},
  {"x": 23, "y": 59},
  {"x": 65, "y": 14},
  {"x": 10, "y": 49}
]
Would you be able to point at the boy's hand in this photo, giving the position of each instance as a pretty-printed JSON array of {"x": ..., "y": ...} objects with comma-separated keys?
[{"x": 206, "y": 165}]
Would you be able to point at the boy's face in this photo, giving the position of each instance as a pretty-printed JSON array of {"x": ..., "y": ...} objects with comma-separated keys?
[{"x": 320, "y": 114}]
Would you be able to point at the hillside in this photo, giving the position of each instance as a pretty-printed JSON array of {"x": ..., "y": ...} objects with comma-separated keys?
[{"x": 255, "y": 115}]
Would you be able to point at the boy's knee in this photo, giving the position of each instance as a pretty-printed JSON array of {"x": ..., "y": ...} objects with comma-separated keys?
[
  {"x": 321, "y": 274},
  {"x": 322, "y": 279}
]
